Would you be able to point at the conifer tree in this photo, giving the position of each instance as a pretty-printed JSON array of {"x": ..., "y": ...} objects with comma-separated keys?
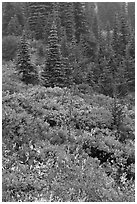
[
  {"x": 53, "y": 16},
  {"x": 67, "y": 59},
  {"x": 67, "y": 72},
  {"x": 131, "y": 45},
  {"x": 69, "y": 21},
  {"x": 39, "y": 29},
  {"x": 89, "y": 12},
  {"x": 52, "y": 74},
  {"x": 25, "y": 68},
  {"x": 84, "y": 34},
  {"x": 121, "y": 45},
  {"x": 66, "y": 14},
  {"x": 75, "y": 57},
  {"x": 104, "y": 68},
  {"x": 116, "y": 32},
  {"x": 38, "y": 12},
  {"x": 64, "y": 45},
  {"x": 121, "y": 32},
  {"x": 88, "y": 45},
  {"x": 47, "y": 27},
  {"x": 81, "y": 25},
  {"x": 95, "y": 26},
  {"x": 56, "y": 18},
  {"x": 62, "y": 11},
  {"x": 130, "y": 63},
  {"x": 124, "y": 29},
  {"x": 108, "y": 33}
]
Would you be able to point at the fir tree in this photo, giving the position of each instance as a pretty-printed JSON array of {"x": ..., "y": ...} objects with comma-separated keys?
[
  {"x": 108, "y": 34},
  {"x": 116, "y": 31},
  {"x": 47, "y": 27},
  {"x": 67, "y": 72},
  {"x": 121, "y": 32},
  {"x": 105, "y": 66},
  {"x": 121, "y": 45},
  {"x": 69, "y": 22},
  {"x": 38, "y": 12},
  {"x": 53, "y": 16},
  {"x": 81, "y": 26},
  {"x": 52, "y": 74},
  {"x": 124, "y": 29},
  {"x": 25, "y": 68},
  {"x": 131, "y": 45},
  {"x": 130, "y": 63},
  {"x": 56, "y": 18},
  {"x": 62, "y": 13},
  {"x": 96, "y": 26},
  {"x": 88, "y": 45},
  {"x": 66, "y": 15},
  {"x": 89, "y": 12},
  {"x": 64, "y": 45},
  {"x": 39, "y": 30}
]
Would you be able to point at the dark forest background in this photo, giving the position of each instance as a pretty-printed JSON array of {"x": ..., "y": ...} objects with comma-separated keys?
[{"x": 94, "y": 42}]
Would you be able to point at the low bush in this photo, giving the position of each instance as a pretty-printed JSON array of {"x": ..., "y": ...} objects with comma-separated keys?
[
  {"x": 58, "y": 147},
  {"x": 10, "y": 81},
  {"x": 119, "y": 159},
  {"x": 84, "y": 88},
  {"x": 51, "y": 174}
]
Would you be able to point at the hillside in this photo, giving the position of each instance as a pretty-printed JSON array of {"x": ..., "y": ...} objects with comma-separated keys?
[{"x": 68, "y": 102}]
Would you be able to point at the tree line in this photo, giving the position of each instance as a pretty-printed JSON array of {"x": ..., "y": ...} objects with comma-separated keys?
[{"x": 80, "y": 49}]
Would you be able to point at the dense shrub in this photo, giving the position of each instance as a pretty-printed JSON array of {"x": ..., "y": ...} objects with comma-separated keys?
[
  {"x": 118, "y": 160},
  {"x": 57, "y": 108},
  {"x": 91, "y": 118},
  {"x": 10, "y": 81},
  {"x": 84, "y": 88},
  {"x": 58, "y": 147},
  {"x": 53, "y": 175},
  {"x": 101, "y": 100},
  {"x": 9, "y": 47}
]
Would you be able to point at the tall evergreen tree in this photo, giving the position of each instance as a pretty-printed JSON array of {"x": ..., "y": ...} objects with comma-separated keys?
[
  {"x": 56, "y": 18},
  {"x": 96, "y": 26},
  {"x": 130, "y": 63},
  {"x": 39, "y": 29},
  {"x": 108, "y": 34},
  {"x": 64, "y": 45},
  {"x": 66, "y": 14},
  {"x": 81, "y": 25},
  {"x": 88, "y": 45},
  {"x": 69, "y": 21},
  {"x": 47, "y": 27},
  {"x": 52, "y": 74},
  {"x": 124, "y": 29},
  {"x": 53, "y": 16},
  {"x": 90, "y": 10},
  {"x": 25, "y": 68},
  {"x": 121, "y": 32},
  {"x": 116, "y": 32},
  {"x": 67, "y": 72},
  {"x": 38, "y": 13}
]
